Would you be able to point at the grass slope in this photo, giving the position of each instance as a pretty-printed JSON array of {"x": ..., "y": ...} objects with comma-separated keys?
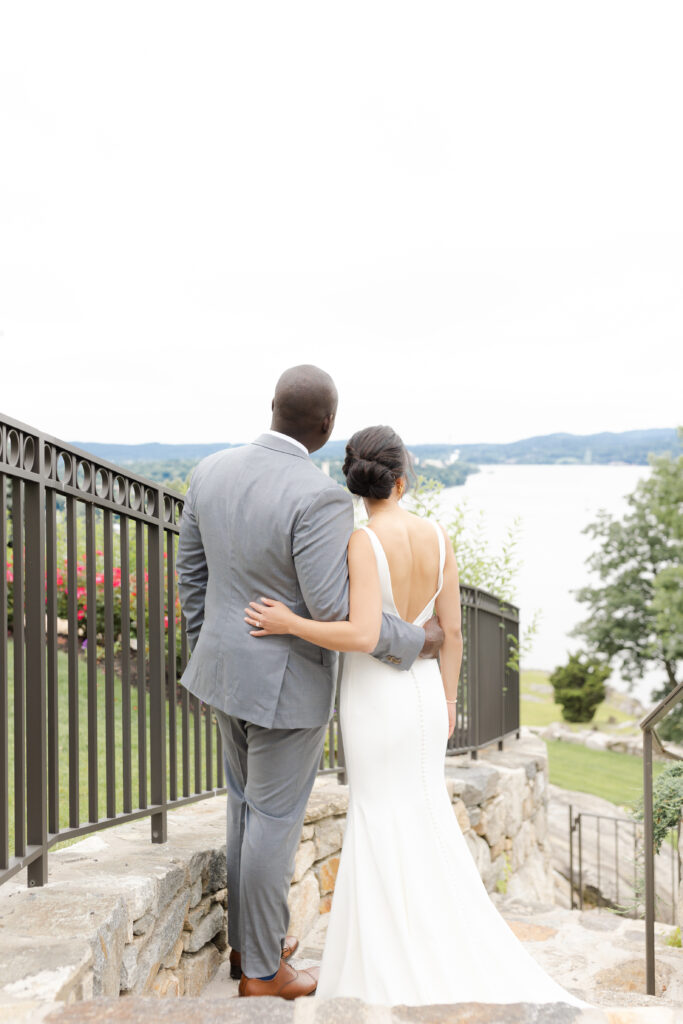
[{"x": 605, "y": 773}]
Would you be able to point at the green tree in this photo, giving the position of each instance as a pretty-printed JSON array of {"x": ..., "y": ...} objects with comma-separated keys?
[
  {"x": 580, "y": 686},
  {"x": 636, "y": 608}
]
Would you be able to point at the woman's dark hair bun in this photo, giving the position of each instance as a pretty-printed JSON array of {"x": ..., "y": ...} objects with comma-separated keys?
[
  {"x": 375, "y": 459},
  {"x": 368, "y": 478}
]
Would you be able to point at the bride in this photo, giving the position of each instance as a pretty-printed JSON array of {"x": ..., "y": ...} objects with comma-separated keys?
[{"x": 411, "y": 920}]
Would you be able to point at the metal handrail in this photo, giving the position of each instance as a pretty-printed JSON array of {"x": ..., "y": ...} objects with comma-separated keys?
[{"x": 648, "y": 725}]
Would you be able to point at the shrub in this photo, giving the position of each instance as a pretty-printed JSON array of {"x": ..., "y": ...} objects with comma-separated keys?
[
  {"x": 580, "y": 686},
  {"x": 667, "y": 802}
]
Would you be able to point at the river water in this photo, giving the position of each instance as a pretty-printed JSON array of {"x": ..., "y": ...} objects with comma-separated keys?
[{"x": 554, "y": 504}]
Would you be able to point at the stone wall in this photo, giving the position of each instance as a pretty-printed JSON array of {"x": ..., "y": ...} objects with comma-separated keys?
[
  {"x": 593, "y": 739},
  {"x": 120, "y": 915},
  {"x": 501, "y": 802}
]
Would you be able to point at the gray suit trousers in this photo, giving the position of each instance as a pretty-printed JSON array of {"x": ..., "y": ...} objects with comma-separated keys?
[{"x": 270, "y": 774}]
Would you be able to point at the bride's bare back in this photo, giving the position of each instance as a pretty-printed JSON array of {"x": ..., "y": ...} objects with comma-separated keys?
[{"x": 412, "y": 549}]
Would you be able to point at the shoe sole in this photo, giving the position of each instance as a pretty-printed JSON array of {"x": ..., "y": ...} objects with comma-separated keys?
[{"x": 312, "y": 993}]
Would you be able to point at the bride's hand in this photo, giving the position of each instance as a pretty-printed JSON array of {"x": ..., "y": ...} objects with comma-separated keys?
[
  {"x": 451, "y": 719},
  {"x": 269, "y": 617}
]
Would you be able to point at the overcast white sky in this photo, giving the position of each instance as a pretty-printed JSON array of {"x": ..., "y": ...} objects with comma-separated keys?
[{"x": 471, "y": 214}]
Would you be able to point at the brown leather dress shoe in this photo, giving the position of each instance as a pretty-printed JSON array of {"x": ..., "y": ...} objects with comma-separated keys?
[
  {"x": 289, "y": 948},
  {"x": 287, "y": 983}
]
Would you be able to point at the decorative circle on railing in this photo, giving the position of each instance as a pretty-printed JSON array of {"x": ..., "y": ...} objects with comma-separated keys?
[
  {"x": 150, "y": 501},
  {"x": 83, "y": 475},
  {"x": 102, "y": 483},
  {"x": 119, "y": 490},
  {"x": 135, "y": 496},
  {"x": 64, "y": 467},
  {"x": 178, "y": 511},
  {"x": 13, "y": 447},
  {"x": 168, "y": 508},
  {"x": 48, "y": 460},
  {"x": 28, "y": 455}
]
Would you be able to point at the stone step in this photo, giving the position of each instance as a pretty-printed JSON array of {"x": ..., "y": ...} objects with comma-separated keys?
[{"x": 185, "y": 1010}]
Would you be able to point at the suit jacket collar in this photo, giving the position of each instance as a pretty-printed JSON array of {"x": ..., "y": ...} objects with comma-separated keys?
[{"x": 279, "y": 444}]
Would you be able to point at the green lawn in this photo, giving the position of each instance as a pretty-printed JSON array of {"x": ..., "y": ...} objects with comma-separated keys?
[
  {"x": 615, "y": 777},
  {"x": 537, "y": 707},
  {"x": 63, "y": 717}
]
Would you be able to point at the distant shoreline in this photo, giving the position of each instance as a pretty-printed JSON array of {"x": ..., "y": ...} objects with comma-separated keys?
[{"x": 448, "y": 464}]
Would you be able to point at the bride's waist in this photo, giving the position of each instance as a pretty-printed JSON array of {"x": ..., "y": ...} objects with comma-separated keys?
[{"x": 358, "y": 662}]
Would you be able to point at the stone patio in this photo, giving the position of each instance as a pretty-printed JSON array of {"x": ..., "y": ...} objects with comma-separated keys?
[{"x": 594, "y": 954}]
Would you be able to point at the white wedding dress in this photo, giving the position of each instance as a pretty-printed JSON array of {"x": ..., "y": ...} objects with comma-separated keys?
[{"x": 411, "y": 921}]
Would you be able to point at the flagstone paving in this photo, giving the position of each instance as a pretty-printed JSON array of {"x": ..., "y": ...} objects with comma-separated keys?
[{"x": 594, "y": 954}]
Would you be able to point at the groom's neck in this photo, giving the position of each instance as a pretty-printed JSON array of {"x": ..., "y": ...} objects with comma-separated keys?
[{"x": 309, "y": 440}]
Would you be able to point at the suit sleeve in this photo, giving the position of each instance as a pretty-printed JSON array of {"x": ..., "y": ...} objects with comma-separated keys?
[
  {"x": 319, "y": 547},
  {"x": 193, "y": 572}
]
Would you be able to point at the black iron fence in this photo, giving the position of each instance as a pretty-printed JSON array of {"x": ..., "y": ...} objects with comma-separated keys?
[
  {"x": 95, "y": 729},
  {"x": 488, "y": 691},
  {"x": 607, "y": 866}
]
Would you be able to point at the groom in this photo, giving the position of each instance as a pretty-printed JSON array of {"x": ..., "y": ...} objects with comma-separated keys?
[{"x": 263, "y": 520}]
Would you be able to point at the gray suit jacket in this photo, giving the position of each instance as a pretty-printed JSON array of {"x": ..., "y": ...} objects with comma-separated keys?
[{"x": 262, "y": 520}]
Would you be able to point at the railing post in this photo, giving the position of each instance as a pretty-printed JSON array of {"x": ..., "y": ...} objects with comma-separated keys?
[
  {"x": 649, "y": 865},
  {"x": 36, "y": 735},
  {"x": 502, "y": 646},
  {"x": 571, "y": 858},
  {"x": 578, "y": 822},
  {"x": 4, "y": 680},
  {"x": 341, "y": 760},
  {"x": 473, "y": 709},
  {"x": 157, "y": 674}
]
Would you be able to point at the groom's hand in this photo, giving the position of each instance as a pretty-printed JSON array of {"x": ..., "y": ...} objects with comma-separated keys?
[{"x": 433, "y": 638}]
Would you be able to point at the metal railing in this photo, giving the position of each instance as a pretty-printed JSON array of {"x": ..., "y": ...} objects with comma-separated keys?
[
  {"x": 87, "y": 592},
  {"x": 609, "y": 852},
  {"x": 648, "y": 726},
  {"x": 95, "y": 729},
  {"x": 488, "y": 692}
]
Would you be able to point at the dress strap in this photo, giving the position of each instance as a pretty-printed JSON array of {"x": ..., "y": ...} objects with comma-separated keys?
[
  {"x": 382, "y": 565},
  {"x": 442, "y": 551}
]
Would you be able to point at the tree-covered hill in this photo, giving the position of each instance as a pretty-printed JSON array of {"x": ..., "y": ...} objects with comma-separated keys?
[
  {"x": 631, "y": 446},
  {"x": 451, "y": 464}
]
